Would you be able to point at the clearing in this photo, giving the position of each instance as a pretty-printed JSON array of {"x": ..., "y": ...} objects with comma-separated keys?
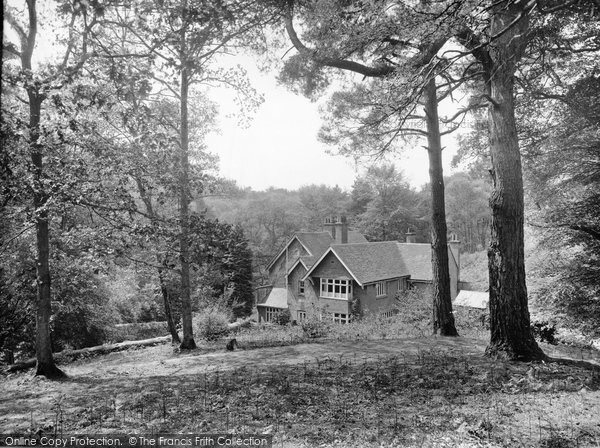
[{"x": 426, "y": 391}]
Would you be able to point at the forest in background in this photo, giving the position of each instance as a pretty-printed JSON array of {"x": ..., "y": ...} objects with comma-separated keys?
[{"x": 381, "y": 205}]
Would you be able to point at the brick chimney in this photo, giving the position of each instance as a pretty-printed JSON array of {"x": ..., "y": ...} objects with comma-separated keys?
[
  {"x": 341, "y": 231},
  {"x": 337, "y": 226},
  {"x": 411, "y": 237}
]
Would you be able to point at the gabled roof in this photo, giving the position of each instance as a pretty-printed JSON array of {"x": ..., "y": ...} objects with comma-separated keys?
[
  {"x": 299, "y": 261},
  {"x": 277, "y": 298},
  {"x": 369, "y": 262},
  {"x": 372, "y": 262},
  {"x": 316, "y": 243},
  {"x": 282, "y": 251}
]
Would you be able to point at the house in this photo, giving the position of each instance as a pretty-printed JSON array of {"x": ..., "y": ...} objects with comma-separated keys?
[{"x": 338, "y": 272}]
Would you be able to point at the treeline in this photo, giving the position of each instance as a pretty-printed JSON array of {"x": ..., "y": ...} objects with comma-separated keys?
[{"x": 381, "y": 204}]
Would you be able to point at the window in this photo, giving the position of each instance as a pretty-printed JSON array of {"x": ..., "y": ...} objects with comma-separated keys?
[
  {"x": 341, "y": 318},
  {"x": 388, "y": 313},
  {"x": 301, "y": 316},
  {"x": 336, "y": 289},
  {"x": 402, "y": 284},
  {"x": 381, "y": 289},
  {"x": 270, "y": 313},
  {"x": 301, "y": 288}
]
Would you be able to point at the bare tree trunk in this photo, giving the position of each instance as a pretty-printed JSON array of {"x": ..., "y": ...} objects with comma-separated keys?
[
  {"x": 43, "y": 342},
  {"x": 443, "y": 319},
  {"x": 188, "y": 342},
  {"x": 511, "y": 336},
  {"x": 168, "y": 311}
]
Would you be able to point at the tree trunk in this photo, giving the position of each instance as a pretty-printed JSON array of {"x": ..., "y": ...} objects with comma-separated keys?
[
  {"x": 511, "y": 336},
  {"x": 168, "y": 312},
  {"x": 147, "y": 200},
  {"x": 188, "y": 342},
  {"x": 443, "y": 319},
  {"x": 43, "y": 342}
]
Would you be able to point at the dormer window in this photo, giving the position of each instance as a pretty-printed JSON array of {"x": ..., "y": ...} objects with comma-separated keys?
[{"x": 301, "y": 288}]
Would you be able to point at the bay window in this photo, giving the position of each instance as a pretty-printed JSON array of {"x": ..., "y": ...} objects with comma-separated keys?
[{"x": 336, "y": 289}]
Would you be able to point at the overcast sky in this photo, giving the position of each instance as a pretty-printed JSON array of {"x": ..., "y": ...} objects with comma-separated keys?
[{"x": 280, "y": 147}]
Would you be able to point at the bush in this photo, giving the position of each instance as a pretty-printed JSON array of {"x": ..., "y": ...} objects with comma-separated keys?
[
  {"x": 81, "y": 310},
  {"x": 415, "y": 309},
  {"x": 212, "y": 324},
  {"x": 282, "y": 317},
  {"x": 316, "y": 328}
]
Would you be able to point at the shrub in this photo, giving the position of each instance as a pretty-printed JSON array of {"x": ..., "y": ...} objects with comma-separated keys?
[
  {"x": 282, "y": 317},
  {"x": 81, "y": 311},
  {"x": 415, "y": 309},
  {"x": 316, "y": 328},
  {"x": 212, "y": 324}
]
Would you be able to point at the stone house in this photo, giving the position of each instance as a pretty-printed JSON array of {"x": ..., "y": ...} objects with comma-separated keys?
[{"x": 330, "y": 272}]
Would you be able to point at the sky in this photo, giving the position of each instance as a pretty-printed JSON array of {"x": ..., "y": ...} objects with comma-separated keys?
[{"x": 280, "y": 148}]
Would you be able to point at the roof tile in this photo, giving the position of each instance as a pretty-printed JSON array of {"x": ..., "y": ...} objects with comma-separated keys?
[{"x": 371, "y": 262}]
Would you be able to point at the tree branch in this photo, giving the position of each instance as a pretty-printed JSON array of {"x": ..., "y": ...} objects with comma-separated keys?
[
  {"x": 593, "y": 233},
  {"x": 344, "y": 64}
]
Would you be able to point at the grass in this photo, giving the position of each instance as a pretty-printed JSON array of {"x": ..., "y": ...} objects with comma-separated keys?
[{"x": 377, "y": 382}]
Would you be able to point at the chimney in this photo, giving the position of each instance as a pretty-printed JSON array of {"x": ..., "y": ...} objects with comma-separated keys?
[
  {"x": 329, "y": 226},
  {"x": 337, "y": 226},
  {"x": 410, "y": 236},
  {"x": 341, "y": 231}
]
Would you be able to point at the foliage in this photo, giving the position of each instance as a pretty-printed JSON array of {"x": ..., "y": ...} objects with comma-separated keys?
[
  {"x": 17, "y": 308},
  {"x": 467, "y": 210},
  {"x": 282, "y": 317},
  {"x": 414, "y": 308},
  {"x": 269, "y": 218},
  {"x": 212, "y": 324},
  {"x": 564, "y": 179},
  {"x": 314, "y": 327},
  {"x": 220, "y": 254},
  {"x": 81, "y": 311},
  {"x": 238, "y": 271},
  {"x": 385, "y": 206},
  {"x": 321, "y": 201}
]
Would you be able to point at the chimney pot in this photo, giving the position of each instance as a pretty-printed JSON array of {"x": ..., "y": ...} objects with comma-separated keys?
[{"x": 337, "y": 226}]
